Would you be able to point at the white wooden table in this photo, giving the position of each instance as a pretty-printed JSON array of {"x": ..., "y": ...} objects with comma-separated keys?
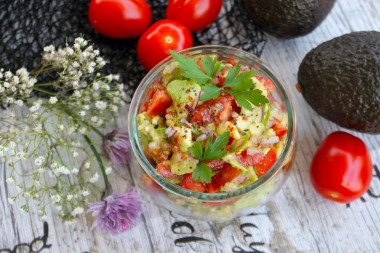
[{"x": 296, "y": 220}]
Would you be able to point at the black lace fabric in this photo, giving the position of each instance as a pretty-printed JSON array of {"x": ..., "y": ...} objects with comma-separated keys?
[{"x": 27, "y": 26}]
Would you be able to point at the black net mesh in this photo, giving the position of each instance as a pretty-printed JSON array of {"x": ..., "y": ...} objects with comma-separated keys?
[{"x": 27, "y": 26}]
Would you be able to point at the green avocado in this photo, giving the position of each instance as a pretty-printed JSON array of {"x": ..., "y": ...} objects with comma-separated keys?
[
  {"x": 288, "y": 18},
  {"x": 340, "y": 79}
]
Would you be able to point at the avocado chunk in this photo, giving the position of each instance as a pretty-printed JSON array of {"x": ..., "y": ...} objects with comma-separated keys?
[
  {"x": 183, "y": 91},
  {"x": 340, "y": 79},
  {"x": 288, "y": 18}
]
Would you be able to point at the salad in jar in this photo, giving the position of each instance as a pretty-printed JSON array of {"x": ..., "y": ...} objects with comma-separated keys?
[{"x": 210, "y": 125}]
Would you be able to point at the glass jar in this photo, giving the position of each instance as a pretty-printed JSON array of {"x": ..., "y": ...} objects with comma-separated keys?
[{"x": 211, "y": 206}]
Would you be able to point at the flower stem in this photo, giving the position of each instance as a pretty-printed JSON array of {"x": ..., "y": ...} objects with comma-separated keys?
[
  {"x": 76, "y": 118},
  {"x": 44, "y": 91},
  {"x": 97, "y": 156}
]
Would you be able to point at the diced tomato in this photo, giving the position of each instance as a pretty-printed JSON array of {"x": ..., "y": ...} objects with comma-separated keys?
[
  {"x": 221, "y": 80},
  {"x": 203, "y": 114},
  {"x": 249, "y": 160},
  {"x": 212, "y": 187},
  {"x": 226, "y": 100},
  {"x": 216, "y": 164},
  {"x": 158, "y": 86},
  {"x": 189, "y": 183},
  {"x": 260, "y": 162},
  {"x": 230, "y": 62},
  {"x": 159, "y": 103},
  {"x": 280, "y": 130},
  {"x": 164, "y": 170},
  {"x": 268, "y": 84},
  {"x": 226, "y": 174},
  {"x": 267, "y": 163}
]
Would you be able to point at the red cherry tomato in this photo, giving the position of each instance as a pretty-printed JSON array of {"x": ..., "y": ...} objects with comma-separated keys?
[
  {"x": 196, "y": 15},
  {"x": 119, "y": 19},
  {"x": 155, "y": 43},
  {"x": 341, "y": 169}
]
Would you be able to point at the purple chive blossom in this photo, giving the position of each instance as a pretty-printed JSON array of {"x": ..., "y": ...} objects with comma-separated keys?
[
  {"x": 116, "y": 146},
  {"x": 117, "y": 212}
]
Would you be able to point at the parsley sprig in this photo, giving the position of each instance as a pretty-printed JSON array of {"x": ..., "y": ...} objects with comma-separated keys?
[
  {"x": 239, "y": 85},
  {"x": 213, "y": 151}
]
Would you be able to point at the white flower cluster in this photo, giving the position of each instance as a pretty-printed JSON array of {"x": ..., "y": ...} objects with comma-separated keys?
[
  {"x": 52, "y": 132},
  {"x": 14, "y": 88}
]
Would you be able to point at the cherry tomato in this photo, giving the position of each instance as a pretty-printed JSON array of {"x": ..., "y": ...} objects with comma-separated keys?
[
  {"x": 196, "y": 15},
  {"x": 119, "y": 19},
  {"x": 341, "y": 169},
  {"x": 155, "y": 43}
]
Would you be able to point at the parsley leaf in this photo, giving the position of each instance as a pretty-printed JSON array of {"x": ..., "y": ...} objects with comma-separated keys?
[
  {"x": 240, "y": 85},
  {"x": 209, "y": 92},
  {"x": 247, "y": 98},
  {"x": 212, "y": 151},
  {"x": 191, "y": 68},
  {"x": 203, "y": 173}
]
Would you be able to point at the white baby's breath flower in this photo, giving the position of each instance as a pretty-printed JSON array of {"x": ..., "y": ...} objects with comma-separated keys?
[
  {"x": 94, "y": 178},
  {"x": 55, "y": 198},
  {"x": 95, "y": 86},
  {"x": 77, "y": 93},
  {"x": 83, "y": 130},
  {"x": 94, "y": 119},
  {"x": 69, "y": 197},
  {"x": 108, "y": 170},
  {"x": 75, "y": 153},
  {"x": 49, "y": 49},
  {"x": 53, "y": 100},
  {"x": 82, "y": 113},
  {"x": 11, "y": 200},
  {"x": 85, "y": 193},
  {"x": 87, "y": 165},
  {"x": 39, "y": 161},
  {"x": 101, "y": 105},
  {"x": 19, "y": 102},
  {"x": 77, "y": 210},
  {"x": 100, "y": 122},
  {"x": 38, "y": 128},
  {"x": 10, "y": 180},
  {"x": 34, "y": 108},
  {"x": 76, "y": 64},
  {"x": 61, "y": 127},
  {"x": 70, "y": 130},
  {"x": 75, "y": 171}
]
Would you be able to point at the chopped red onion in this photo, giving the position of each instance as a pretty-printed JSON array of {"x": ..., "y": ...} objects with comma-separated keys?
[
  {"x": 271, "y": 123},
  {"x": 201, "y": 137},
  {"x": 234, "y": 115},
  {"x": 253, "y": 151},
  {"x": 186, "y": 123},
  {"x": 239, "y": 179},
  {"x": 197, "y": 100},
  {"x": 188, "y": 108},
  {"x": 214, "y": 137},
  {"x": 260, "y": 115},
  {"x": 269, "y": 140},
  {"x": 206, "y": 131},
  {"x": 170, "y": 132}
]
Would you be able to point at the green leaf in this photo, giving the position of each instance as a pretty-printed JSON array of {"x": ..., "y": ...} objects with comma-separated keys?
[
  {"x": 161, "y": 132},
  {"x": 209, "y": 92},
  {"x": 213, "y": 149},
  {"x": 203, "y": 173},
  {"x": 217, "y": 68},
  {"x": 197, "y": 150},
  {"x": 208, "y": 64},
  {"x": 247, "y": 98},
  {"x": 190, "y": 67},
  {"x": 266, "y": 111},
  {"x": 230, "y": 78},
  {"x": 245, "y": 139}
]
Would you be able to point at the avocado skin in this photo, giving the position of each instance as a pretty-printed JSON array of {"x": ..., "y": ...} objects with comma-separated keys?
[
  {"x": 288, "y": 18},
  {"x": 340, "y": 79}
]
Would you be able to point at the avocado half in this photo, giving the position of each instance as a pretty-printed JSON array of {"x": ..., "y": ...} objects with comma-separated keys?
[
  {"x": 288, "y": 18},
  {"x": 340, "y": 79}
]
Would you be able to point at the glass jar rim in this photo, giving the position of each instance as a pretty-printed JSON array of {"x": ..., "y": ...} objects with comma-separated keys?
[{"x": 176, "y": 189}]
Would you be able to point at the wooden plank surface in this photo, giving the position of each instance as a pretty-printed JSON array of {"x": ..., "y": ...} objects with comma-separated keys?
[{"x": 296, "y": 220}]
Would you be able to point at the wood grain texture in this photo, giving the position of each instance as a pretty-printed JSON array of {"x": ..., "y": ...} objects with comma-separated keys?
[{"x": 296, "y": 220}]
